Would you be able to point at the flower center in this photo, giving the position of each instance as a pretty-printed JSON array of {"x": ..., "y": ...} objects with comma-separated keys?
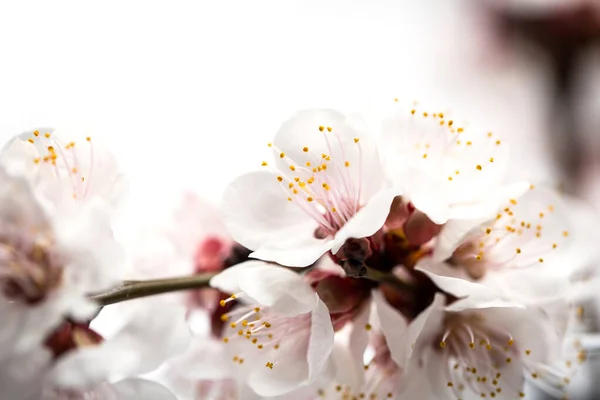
[
  {"x": 28, "y": 271},
  {"x": 507, "y": 242},
  {"x": 64, "y": 161},
  {"x": 477, "y": 355},
  {"x": 261, "y": 335},
  {"x": 326, "y": 186}
]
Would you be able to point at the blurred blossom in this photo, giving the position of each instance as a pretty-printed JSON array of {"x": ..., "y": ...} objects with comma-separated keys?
[{"x": 439, "y": 243}]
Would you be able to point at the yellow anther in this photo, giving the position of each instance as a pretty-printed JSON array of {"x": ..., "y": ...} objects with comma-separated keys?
[
  {"x": 281, "y": 155},
  {"x": 356, "y": 140},
  {"x": 47, "y": 135},
  {"x": 347, "y": 163},
  {"x": 478, "y": 167},
  {"x": 321, "y": 128},
  {"x": 518, "y": 250},
  {"x": 325, "y": 186},
  {"x": 30, "y": 140},
  {"x": 425, "y": 114},
  {"x": 264, "y": 164},
  {"x": 280, "y": 178},
  {"x": 308, "y": 163},
  {"x": 305, "y": 149},
  {"x": 289, "y": 199},
  {"x": 328, "y": 129},
  {"x": 460, "y": 130},
  {"x": 309, "y": 199},
  {"x": 491, "y": 159},
  {"x": 450, "y": 123},
  {"x": 291, "y": 185},
  {"x": 469, "y": 143},
  {"x": 292, "y": 168},
  {"x": 333, "y": 209},
  {"x": 368, "y": 327},
  {"x": 270, "y": 144},
  {"x": 498, "y": 143},
  {"x": 413, "y": 111}
]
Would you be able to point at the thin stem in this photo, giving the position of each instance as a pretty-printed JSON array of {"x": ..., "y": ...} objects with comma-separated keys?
[
  {"x": 130, "y": 290},
  {"x": 386, "y": 277}
]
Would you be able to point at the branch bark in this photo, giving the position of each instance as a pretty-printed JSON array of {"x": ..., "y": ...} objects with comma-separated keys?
[{"x": 136, "y": 289}]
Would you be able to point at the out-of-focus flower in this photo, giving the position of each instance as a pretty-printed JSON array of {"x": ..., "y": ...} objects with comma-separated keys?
[
  {"x": 447, "y": 170},
  {"x": 66, "y": 170},
  {"x": 85, "y": 362},
  {"x": 326, "y": 185},
  {"x": 50, "y": 261},
  {"x": 476, "y": 343}
]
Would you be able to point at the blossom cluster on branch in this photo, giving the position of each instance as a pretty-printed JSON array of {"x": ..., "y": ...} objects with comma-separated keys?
[{"x": 354, "y": 263}]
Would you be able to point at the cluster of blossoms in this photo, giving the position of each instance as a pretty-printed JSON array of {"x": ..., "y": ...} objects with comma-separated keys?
[{"x": 344, "y": 268}]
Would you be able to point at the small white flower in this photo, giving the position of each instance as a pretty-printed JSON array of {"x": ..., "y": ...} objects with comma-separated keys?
[
  {"x": 65, "y": 170},
  {"x": 49, "y": 263},
  {"x": 447, "y": 169},
  {"x": 522, "y": 250},
  {"x": 153, "y": 332},
  {"x": 479, "y": 344},
  {"x": 281, "y": 337},
  {"x": 325, "y": 186}
]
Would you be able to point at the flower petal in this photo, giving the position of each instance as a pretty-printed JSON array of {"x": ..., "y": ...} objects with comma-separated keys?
[
  {"x": 256, "y": 211},
  {"x": 135, "y": 388},
  {"x": 392, "y": 323},
  {"x": 321, "y": 341},
  {"x": 367, "y": 220},
  {"x": 328, "y": 132},
  {"x": 269, "y": 285},
  {"x": 297, "y": 247},
  {"x": 156, "y": 332}
]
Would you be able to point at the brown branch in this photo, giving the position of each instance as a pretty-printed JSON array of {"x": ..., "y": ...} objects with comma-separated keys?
[{"x": 135, "y": 289}]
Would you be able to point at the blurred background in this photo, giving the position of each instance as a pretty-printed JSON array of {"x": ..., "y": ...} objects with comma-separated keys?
[{"x": 188, "y": 93}]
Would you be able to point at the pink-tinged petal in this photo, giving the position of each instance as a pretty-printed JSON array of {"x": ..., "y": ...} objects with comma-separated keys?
[
  {"x": 256, "y": 211},
  {"x": 194, "y": 220},
  {"x": 306, "y": 359},
  {"x": 321, "y": 341},
  {"x": 392, "y": 324},
  {"x": 297, "y": 247},
  {"x": 140, "y": 389},
  {"x": 282, "y": 290},
  {"x": 322, "y": 131},
  {"x": 368, "y": 219}
]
